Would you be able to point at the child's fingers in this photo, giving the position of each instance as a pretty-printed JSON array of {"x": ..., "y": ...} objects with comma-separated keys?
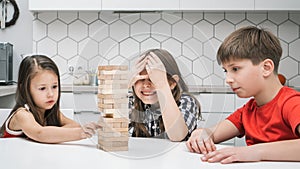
[
  {"x": 141, "y": 58},
  {"x": 154, "y": 57},
  {"x": 137, "y": 78},
  {"x": 209, "y": 146}
]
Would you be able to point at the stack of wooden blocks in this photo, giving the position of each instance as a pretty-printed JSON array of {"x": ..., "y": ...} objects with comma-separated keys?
[{"x": 113, "y": 104}]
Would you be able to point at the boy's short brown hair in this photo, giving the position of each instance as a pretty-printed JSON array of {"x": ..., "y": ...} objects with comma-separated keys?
[{"x": 250, "y": 43}]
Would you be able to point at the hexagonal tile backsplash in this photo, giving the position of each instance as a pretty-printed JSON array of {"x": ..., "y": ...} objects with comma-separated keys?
[{"x": 85, "y": 40}]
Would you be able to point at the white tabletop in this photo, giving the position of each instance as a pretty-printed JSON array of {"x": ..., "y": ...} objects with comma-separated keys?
[{"x": 143, "y": 153}]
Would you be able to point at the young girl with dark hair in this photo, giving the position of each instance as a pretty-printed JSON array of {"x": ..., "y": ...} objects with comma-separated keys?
[
  {"x": 161, "y": 105},
  {"x": 36, "y": 114}
]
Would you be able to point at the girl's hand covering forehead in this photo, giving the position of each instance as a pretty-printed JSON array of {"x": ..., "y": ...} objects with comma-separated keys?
[{"x": 136, "y": 69}]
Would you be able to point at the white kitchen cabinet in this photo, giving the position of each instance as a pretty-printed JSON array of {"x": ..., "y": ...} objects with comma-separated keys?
[
  {"x": 288, "y": 5},
  {"x": 140, "y": 5},
  {"x": 65, "y": 5},
  {"x": 212, "y": 5}
]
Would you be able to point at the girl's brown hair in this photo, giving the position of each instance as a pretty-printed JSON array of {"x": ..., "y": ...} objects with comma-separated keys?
[
  {"x": 29, "y": 67},
  {"x": 181, "y": 87}
]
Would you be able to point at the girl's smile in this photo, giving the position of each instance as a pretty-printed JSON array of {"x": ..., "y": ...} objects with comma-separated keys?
[{"x": 145, "y": 90}]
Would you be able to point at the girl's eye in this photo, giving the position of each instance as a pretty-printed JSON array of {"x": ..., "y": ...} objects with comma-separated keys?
[
  {"x": 225, "y": 70},
  {"x": 42, "y": 88},
  {"x": 55, "y": 86}
]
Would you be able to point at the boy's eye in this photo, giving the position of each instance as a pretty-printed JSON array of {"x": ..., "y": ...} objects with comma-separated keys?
[
  {"x": 225, "y": 70},
  {"x": 55, "y": 86},
  {"x": 235, "y": 69}
]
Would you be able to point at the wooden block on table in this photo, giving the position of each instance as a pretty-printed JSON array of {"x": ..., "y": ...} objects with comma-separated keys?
[
  {"x": 108, "y": 148},
  {"x": 113, "y": 143}
]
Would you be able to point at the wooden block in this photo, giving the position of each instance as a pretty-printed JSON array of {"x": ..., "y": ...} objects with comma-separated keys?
[
  {"x": 113, "y": 134},
  {"x": 124, "y": 124},
  {"x": 113, "y": 67},
  {"x": 108, "y": 115},
  {"x": 113, "y": 86},
  {"x": 112, "y": 96},
  {"x": 113, "y": 122},
  {"x": 112, "y": 72},
  {"x": 113, "y": 91},
  {"x": 117, "y": 112},
  {"x": 115, "y": 77},
  {"x": 110, "y": 120},
  {"x": 122, "y": 138},
  {"x": 113, "y": 105},
  {"x": 110, "y": 129},
  {"x": 113, "y": 143},
  {"x": 113, "y": 101},
  {"x": 108, "y": 148},
  {"x": 107, "y": 82}
]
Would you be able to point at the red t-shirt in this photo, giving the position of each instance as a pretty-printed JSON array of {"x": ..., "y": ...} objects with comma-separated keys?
[{"x": 274, "y": 121}]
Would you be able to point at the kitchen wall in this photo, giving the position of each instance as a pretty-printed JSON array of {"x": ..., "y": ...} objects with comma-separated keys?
[
  {"x": 84, "y": 40},
  {"x": 19, "y": 34}
]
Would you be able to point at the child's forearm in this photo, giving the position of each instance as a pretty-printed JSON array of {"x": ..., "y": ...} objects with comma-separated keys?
[
  {"x": 52, "y": 134},
  {"x": 173, "y": 120},
  {"x": 288, "y": 150}
]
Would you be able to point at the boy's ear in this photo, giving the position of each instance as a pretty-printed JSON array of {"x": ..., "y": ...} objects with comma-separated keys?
[
  {"x": 268, "y": 67},
  {"x": 176, "y": 78}
]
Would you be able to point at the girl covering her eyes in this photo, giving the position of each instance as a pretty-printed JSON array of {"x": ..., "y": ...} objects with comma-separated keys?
[
  {"x": 161, "y": 105},
  {"x": 36, "y": 114}
]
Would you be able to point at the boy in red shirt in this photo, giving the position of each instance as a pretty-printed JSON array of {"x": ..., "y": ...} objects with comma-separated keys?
[{"x": 270, "y": 120}]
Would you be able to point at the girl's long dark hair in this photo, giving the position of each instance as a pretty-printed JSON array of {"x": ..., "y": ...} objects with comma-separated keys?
[
  {"x": 29, "y": 66},
  {"x": 181, "y": 87}
]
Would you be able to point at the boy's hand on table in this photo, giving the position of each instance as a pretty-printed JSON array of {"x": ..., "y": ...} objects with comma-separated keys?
[
  {"x": 232, "y": 154},
  {"x": 201, "y": 141}
]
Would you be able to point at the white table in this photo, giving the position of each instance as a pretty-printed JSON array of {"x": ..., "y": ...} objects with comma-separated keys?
[{"x": 144, "y": 153}]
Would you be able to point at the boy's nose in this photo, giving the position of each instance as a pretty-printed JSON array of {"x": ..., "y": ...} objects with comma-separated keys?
[{"x": 228, "y": 79}]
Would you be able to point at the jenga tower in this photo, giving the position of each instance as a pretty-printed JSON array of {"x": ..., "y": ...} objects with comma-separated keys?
[{"x": 113, "y": 104}]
